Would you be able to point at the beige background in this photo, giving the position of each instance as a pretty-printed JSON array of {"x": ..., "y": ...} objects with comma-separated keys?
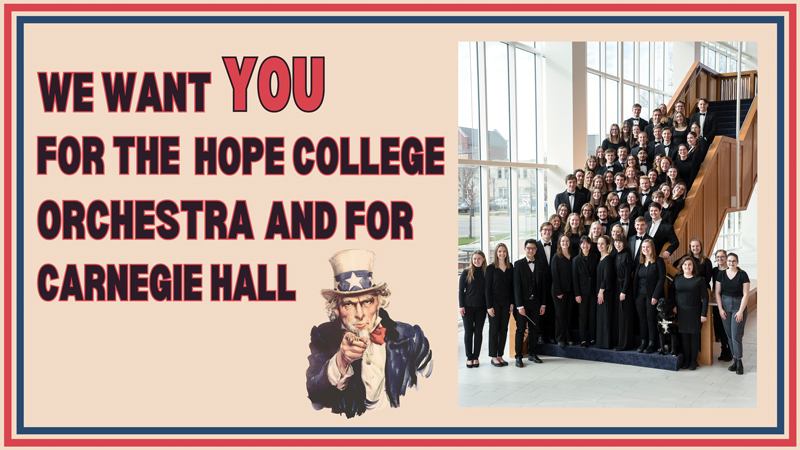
[{"x": 215, "y": 364}]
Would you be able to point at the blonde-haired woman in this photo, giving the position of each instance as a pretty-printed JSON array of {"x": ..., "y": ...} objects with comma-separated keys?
[
  {"x": 499, "y": 302},
  {"x": 472, "y": 306}
]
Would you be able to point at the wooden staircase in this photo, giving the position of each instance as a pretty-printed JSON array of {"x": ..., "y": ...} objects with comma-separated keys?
[{"x": 714, "y": 193}]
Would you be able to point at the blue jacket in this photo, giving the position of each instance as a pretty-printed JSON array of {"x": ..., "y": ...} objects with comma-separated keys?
[{"x": 407, "y": 352}]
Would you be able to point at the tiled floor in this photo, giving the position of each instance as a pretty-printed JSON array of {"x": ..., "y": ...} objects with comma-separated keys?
[{"x": 569, "y": 383}]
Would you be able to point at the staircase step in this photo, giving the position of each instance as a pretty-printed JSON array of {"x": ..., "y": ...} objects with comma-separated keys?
[{"x": 630, "y": 357}]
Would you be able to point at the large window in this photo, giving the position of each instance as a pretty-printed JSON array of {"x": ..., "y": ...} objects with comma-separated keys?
[
  {"x": 646, "y": 69},
  {"x": 500, "y": 177}
]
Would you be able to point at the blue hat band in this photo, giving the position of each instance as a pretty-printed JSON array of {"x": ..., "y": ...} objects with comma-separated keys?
[{"x": 354, "y": 280}]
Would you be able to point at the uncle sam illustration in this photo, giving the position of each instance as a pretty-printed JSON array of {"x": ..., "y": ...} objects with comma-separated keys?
[{"x": 362, "y": 359}]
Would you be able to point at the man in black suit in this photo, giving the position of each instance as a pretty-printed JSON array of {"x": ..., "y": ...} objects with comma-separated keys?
[
  {"x": 620, "y": 189},
  {"x": 528, "y": 296},
  {"x": 580, "y": 175},
  {"x": 650, "y": 130},
  {"x": 545, "y": 249},
  {"x": 602, "y": 217},
  {"x": 649, "y": 148},
  {"x": 635, "y": 241},
  {"x": 666, "y": 147},
  {"x": 707, "y": 121},
  {"x": 571, "y": 197},
  {"x": 661, "y": 231},
  {"x": 624, "y": 220},
  {"x": 636, "y": 120},
  {"x": 611, "y": 164},
  {"x": 645, "y": 194}
]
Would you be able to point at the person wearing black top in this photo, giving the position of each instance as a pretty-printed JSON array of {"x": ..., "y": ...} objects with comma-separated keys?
[
  {"x": 584, "y": 280},
  {"x": 545, "y": 250},
  {"x": 472, "y": 306},
  {"x": 661, "y": 231},
  {"x": 732, "y": 292},
  {"x": 690, "y": 293},
  {"x": 614, "y": 140},
  {"x": 574, "y": 230},
  {"x": 561, "y": 271},
  {"x": 636, "y": 120},
  {"x": 719, "y": 328},
  {"x": 529, "y": 301},
  {"x": 701, "y": 263},
  {"x": 635, "y": 241},
  {"x": 623, "y": 294},
  {"x": 648, "y": 283},
  {"x": 634, "y": 206},
  {"x": 571, "y": 197},
  {"x": 499, "y": 302},
  {"x": 687, "y": 166},
  {"x": 606, "y": 306},
  {"x": 706, "y": 120}
]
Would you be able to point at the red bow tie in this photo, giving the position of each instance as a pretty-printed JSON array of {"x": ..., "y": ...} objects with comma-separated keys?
[{"x": 378, "y": 335}]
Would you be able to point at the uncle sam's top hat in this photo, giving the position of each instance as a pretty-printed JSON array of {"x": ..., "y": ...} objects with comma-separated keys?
[{"x": 352, "y": 274}]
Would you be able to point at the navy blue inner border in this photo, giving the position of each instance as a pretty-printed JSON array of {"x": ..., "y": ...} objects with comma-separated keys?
[{"x": 22, "y": 429}]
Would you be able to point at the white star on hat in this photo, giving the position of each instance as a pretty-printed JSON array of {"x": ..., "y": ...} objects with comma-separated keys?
[{"x": 354, "y": 280}]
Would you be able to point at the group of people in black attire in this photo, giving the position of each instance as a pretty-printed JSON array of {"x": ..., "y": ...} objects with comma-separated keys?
[{"x": 597, "y": 259}]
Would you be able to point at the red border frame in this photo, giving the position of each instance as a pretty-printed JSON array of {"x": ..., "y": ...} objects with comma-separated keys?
[{"x": 790, "y": 9}]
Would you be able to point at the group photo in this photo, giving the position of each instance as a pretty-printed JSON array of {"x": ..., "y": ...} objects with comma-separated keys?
[{"x": 607, "y": 224}]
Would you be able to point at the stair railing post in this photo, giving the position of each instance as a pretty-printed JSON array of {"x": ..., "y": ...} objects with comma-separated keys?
[{"x": 738, "y": 127}]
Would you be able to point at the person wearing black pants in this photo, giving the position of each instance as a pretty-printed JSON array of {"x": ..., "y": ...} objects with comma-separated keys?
[
  {"x": 472, "y": 306},
  {"x": 499, "y": 302},
  {"x": 584, "y": 279},
  {"x": 561, "y": 269},
  {"x": 649, "y": 277},
  {"x": 546, "y": 249},
  {"x": 687, "y": 290},
  {"x": 529, "y": 301},
  {"x": 623, "y": 266},
  {"x": 719, "y": 328}
]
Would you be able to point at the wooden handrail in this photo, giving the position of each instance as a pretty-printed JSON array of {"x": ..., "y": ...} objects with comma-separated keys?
[
  {"x": 708, "y": 202},
  {"x": 703, "y": 81},
  {"x": 749, "y": 120}
]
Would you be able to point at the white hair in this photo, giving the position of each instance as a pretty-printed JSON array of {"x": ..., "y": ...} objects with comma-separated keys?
[{"x": 332, "y": 302}]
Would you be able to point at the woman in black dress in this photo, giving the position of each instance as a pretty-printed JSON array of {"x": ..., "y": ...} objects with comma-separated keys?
[
  {"x": 690, "y": 293},
  {"x": 472, "y": 306},
  {"x": 686, "y": 165},
  {"x": 694, "y": 146},
  {"x": 679, "y": 196},
  {"x": 606, "y": 307},
  {"x": 627, "y": 135},
  {"x": 673, "y": 177},
  {"x": 584, "y": 279},
  {"x": 649, "y": 277},
  {"x": 702, "y": 143},
  {"x": 719, "y": 329},
  {"x": 635, "y": 206},
  {"x": 561, "y": 269},
  {"x": 680, "y": 128},
  {"x": 623, "y": 269},
  {"x": 499, "y": 302},
  {"x": 614, "y": 140},
  {"x": 732, "y": 291},
  {"x": 574, "y": 230}
]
